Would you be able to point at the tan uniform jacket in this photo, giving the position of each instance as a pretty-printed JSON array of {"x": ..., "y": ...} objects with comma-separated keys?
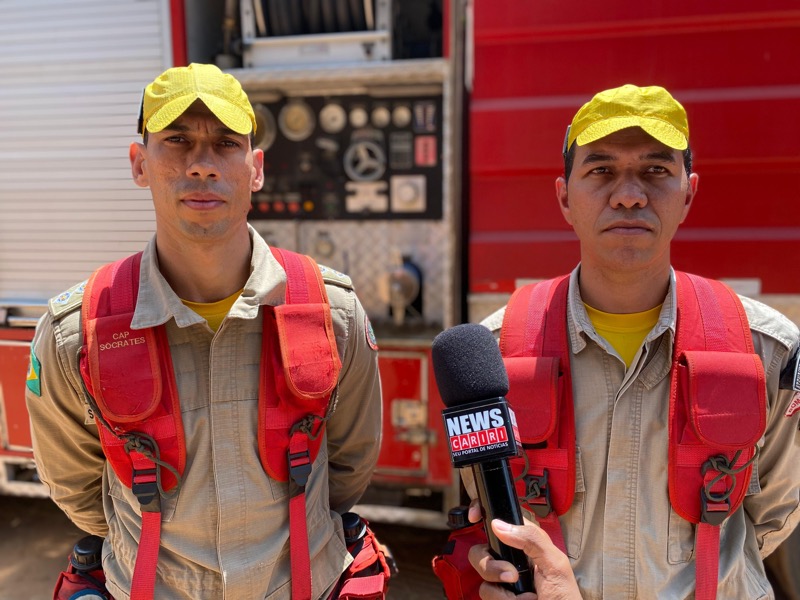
[
  {"x": 623, "y": 538},
  {"x": 226, "y": 533}
]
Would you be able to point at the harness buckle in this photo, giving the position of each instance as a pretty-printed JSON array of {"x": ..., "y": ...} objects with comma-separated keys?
[
  {"x": 713, "y": 513},
  {"x": 300, "y": 466},
  {"x": 537, "y": 494},
  {"x": 715, "y": 504},
  {"x": 144, "y": 485}
]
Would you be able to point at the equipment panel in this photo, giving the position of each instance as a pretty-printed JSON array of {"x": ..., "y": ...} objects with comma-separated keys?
[{"x": 350, "y": 157}]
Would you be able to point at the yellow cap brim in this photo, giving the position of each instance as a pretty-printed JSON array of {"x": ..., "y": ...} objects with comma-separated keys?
[
  {"x": 664, "y": 132},
  {"x": 231, "y": 116}
]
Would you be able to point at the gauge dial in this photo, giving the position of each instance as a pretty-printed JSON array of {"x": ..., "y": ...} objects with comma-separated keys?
[
  {"x": 332, "y": 118},
  {"x": 265, "y": 127},
  {"x": 296, "y": 120},
  {"x": 401, "y": 116},
  {"x": 358, "y": 117},
  {"x": 381, "y": 117}
]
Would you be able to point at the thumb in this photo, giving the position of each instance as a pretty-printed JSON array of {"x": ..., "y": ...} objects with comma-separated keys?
[{"x": 534, "y": 541}]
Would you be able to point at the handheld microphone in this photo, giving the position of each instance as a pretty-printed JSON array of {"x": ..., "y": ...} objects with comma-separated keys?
[{"x": 481, "y": 429}]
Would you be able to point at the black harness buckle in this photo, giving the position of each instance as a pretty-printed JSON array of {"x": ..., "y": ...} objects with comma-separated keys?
[{"x": 300, "y": 467}]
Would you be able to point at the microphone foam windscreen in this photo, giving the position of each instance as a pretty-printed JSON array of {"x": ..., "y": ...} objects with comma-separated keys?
[{"x": 467, "y": 365}]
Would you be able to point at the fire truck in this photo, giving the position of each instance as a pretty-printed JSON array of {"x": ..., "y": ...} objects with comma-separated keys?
[{"x": 411, "y": 144}]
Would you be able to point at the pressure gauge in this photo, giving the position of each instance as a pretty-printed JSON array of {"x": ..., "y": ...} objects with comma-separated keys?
[
  {"x": 265, "y": 127},
  {"x": 296, "y": 120},
  {"x": 332, "y": 118},
  {"x": 358, "y": 117},
  {"x": 381, "y": 117},
  {"x": 401, "y": 116}
]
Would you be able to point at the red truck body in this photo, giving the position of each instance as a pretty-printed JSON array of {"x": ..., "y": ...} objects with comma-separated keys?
[{"x": 501, "y": 83}]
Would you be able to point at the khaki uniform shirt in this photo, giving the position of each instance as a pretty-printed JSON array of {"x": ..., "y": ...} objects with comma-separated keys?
[
  {"x": 623, "y": 539},
  {"x": 225, "y": 534}
]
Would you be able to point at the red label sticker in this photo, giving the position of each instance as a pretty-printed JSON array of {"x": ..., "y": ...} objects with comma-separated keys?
[{"x": 425, "y": 154}]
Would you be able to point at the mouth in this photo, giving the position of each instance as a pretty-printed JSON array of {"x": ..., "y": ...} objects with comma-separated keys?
[
  {"x": 629, "y": 228},
  {"x": 202, "y": 201}
]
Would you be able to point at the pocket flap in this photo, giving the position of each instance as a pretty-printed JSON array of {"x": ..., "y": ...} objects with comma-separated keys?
[
  {"x": 726, "y": 393},
  {"x": 308, "y": 348},
  {"x": 124, "y": 368},
  {"x": 533, "y": 394}
]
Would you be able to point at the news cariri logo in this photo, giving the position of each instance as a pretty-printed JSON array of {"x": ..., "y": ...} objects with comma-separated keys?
[{"x": 479, "y": 431}]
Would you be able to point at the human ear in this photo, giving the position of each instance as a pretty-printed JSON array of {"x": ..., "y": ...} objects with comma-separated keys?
[
  {"x": 562, "y": 196},
  {"x": 137, "y": 154},
  {"x": 691, "y": 190},
  {"x": 257, "y": 178}
]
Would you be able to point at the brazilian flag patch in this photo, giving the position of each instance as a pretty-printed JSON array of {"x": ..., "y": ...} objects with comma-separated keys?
[{"x": 33, "y": 382}]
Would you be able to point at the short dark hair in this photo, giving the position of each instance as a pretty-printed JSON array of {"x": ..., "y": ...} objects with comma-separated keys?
[{"x": 569, "y": 158}]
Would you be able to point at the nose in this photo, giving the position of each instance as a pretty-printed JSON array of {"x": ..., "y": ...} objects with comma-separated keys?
[
  {"x": 628, "y": 193},
  {"x": 202, "y": 164}
]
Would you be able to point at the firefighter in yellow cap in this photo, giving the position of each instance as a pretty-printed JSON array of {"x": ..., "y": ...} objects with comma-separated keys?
[
  {"x": 626, "y": 532},
  {"x": 214, "y": 427}
]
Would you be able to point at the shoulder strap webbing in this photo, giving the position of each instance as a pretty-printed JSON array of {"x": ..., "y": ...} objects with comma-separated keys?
[
  {"x": 717, "y": 414},
  {"x": 535, "y": 348},
  {"x": 142, "y": 433},
  {"x": 717, "y": 400},
  {"x": 141, "y": 428},
  {"x": 299, "y": 340}
]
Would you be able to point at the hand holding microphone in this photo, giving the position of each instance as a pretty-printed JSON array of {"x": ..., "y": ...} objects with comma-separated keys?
[{"x": 472, "y": 381}]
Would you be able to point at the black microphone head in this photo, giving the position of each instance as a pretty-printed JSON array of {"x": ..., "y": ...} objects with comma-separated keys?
[{"x": 467, "y": 365}]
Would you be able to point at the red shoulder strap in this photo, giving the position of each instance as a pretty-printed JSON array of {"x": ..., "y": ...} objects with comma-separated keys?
[
  {"x": 300, "y": 369},
  {"x": 535, "y": 348},
  {"x": 300, "y": 344},
  {"x": 128, "y": 373},
  {"x": 717, "y": 414}
]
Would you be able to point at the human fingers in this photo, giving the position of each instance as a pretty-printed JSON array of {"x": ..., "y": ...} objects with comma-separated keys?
[
  {"x": 494, "y": 572},
  {"x": 553, "y": 574},
  {"x": 475, "y": 512}
]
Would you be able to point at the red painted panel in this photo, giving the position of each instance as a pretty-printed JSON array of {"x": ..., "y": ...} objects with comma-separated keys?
[
  {"x": 742, "y": 199},
  {"x": 14, "y": 359},
  {"x": 766, "y": 260},
  {"x": 440, "y": 469},
  {"x": 763, "y": 259},
  {"x": 491, "y": 269},
  {"x": 732, "y": 65},
  {"x": 518, "y": 142},
  {"x": 401, "y": 379},
  {"x": 515, "y": 204},
  {"x": 692, "y": 61},
  {"x": 403, "y": 373},
  {"x": 491, "y": 15}
]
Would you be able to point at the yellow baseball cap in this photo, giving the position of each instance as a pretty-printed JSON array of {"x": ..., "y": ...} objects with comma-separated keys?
[
  {"x": 177, "y": 88},
  {"x": 651, "y": 108}
]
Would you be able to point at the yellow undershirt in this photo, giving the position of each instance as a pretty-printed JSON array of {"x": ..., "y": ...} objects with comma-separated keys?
[
  {"x": 213, "y": 312},
  {"x": 624, "y": 332}
]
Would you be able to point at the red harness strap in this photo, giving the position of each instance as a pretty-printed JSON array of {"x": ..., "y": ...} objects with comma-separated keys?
[
  {"x": 310, "y": 365},
  {"x": 717, "y": 415},
  {"x": 717, "y": 407},
  {"x": 142, "y": 432},
  {"x": 142, "y": 436},
  {"x": 535, "y": 348}
]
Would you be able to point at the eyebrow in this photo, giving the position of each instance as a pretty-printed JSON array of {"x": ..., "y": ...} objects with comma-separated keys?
[{"x": 659, "y": 155}]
